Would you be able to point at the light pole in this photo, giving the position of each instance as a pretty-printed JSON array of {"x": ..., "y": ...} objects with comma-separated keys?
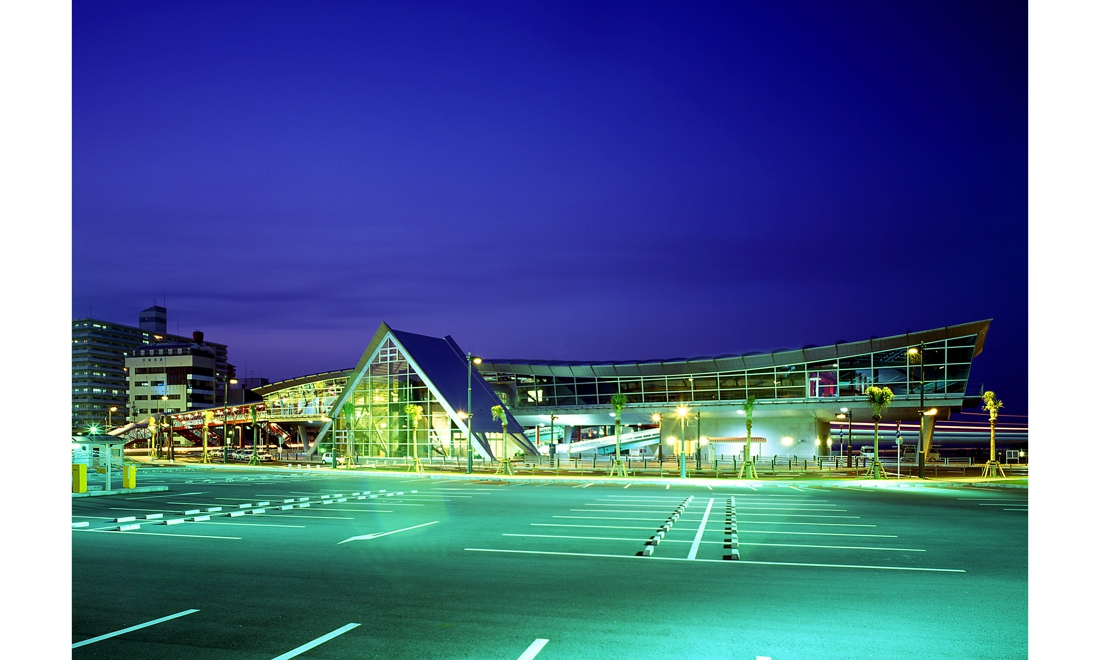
[
  {"x": 682, "y": 412},
  {"x": 846, "y": 414},
  {"x": 225, "y": 421},
  {"x": 109, "y": 411},
  {"x": 660, "y": 443},
  {"x": 470, "y": 362},
  {"x": 553, "y": 446},
  {"x": 918, "y": 353},
  {"x": 163, "y": 406}
]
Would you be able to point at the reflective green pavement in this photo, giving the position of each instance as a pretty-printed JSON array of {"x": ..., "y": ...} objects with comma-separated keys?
[{"x": 525, "y": 569}]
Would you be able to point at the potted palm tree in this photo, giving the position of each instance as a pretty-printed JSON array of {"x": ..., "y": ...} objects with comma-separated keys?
[
  {"x": 748, "y": 468},
  {"x": 505, "y": 462},
  {"x": 879, "y": 398},
  {"x": 618, "y": 401}
]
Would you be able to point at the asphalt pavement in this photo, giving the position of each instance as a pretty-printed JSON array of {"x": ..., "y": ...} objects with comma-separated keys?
[{"x": 277, "y": 563}]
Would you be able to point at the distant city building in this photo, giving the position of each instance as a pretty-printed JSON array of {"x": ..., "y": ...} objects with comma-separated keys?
[
  {"x": 99, "y": 352},
  {"x": 170, "y": 377}
]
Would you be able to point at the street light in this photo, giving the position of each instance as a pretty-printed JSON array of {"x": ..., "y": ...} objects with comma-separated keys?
[
  {"x": 470, "y": 362},
  {"x": 682, "y": 413},
  {"x": 846, "y": 414},
  {"x": 660, "y": 446},
  {"x": 109, "y": 411},
  {"x": 225, "y": 421},
  {"x": 917, "y": 352},
  {"x": 163, "y": 408}
]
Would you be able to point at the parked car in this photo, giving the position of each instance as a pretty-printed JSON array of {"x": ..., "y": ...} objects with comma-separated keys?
[
  {"x": 326, "y": 459},
  {"x": 867, "y": 452}
]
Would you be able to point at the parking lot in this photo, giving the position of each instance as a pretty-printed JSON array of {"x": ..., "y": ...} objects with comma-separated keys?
[{"x": 277, "y": 563}]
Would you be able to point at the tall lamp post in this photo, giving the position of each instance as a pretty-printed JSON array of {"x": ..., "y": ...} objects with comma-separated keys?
[
  {"x": 225, "y": 421},
  {"x": 160, "y": 423},
  {"x": 660, "y": 443},
  {"x": 846, "y": 414},
  {"x": 470, "y": 362},
  {"x": 682, "y": 413},
  {"x": 109, "y": 411},
  {"x": 917, "y": 353}
]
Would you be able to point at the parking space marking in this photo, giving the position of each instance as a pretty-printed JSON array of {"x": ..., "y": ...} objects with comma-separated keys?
[
  {"x": 317, "y": 642},
  {"x": 608, "y": 518},
  {"x": 627, "y": 486},
  {"x": 699, "y": 533},
  {"x": 153, "y": 497},
  {"x": 296, "y": 515},
  {"x": 723, "y": 561},
  {"x": 534, "y": 649},
  {"x": 772, "y": 531},
  {"x": 1015, "y": 509},
  {"x": 831, "y": 547},
  {"x": 139, "y": 626},
  {"x": 588, "y": 526},
  {"x": 193, "y": 536},
  {"x": 219, "y": 522}
]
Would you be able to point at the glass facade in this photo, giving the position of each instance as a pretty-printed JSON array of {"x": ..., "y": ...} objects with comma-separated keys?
[
  {"x": 946, "y": 371},
  {"x": 376, "y": 413}
]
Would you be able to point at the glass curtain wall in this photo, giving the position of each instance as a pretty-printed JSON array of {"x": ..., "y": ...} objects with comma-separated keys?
[
  {"x": 946, "y": 371},
  {"x": 379, "y": 418}
]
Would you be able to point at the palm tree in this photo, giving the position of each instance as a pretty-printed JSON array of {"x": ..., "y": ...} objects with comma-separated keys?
[
  {"x": 748, "y": 469},
  {"x": 502, "y": 416},
  {"x": 992, "y": 405},
  {"x": 618, "y": 401},
  {"x": 879, "y": 398},
  {"x": 415, "y": 413}
]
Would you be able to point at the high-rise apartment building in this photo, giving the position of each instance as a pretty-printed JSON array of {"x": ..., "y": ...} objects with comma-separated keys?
[{"x": 99, "y": 378}]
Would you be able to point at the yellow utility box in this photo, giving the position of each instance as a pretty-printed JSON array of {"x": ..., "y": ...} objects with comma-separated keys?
[
  {"x": 80, "y": 478},
  {"x": 129, "y": 476}
]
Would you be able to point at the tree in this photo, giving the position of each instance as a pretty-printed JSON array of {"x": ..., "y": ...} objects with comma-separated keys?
[
  {"x": 992, "y": 405},
  {"x": 879, "y": 398},
  {"x": 500, "y": 415},
  {"x": 415, "y": 413},
  {"x": 748, "y": 469},
  {"x": 618, "y": 401}
]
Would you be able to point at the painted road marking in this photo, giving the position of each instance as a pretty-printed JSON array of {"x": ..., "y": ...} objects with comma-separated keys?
[
  {"x": 723, "y": 561},
  {"x": 133, "y": 628},
  {"x": 534, "y": 649},
  {"x": 239, "y": 524},
  {"x": 627, "y": 486},
  {"x": 609, "y": 518},
  {"x": 800, "y": 515},
  {"x": 709, "y": 488},
  {"x": 153, "y": 497},
  {"x": 1015, "y": 509},
  {"x": 367, "y": 537},
  {"x": 298, "y": 515},
  {"x": 831, "y": 547},
  {"x": 699, "y": 532},
  {"x": 667, "y": 486},
  {"x": 765, "y": 522},
  {"x": 877, "y": 536},
  {"x": 317, "y": 642},
  {"x": 587, "y": 526},
  {"x": 194, "y": 536},
  {"x": 997, "y": 504}
]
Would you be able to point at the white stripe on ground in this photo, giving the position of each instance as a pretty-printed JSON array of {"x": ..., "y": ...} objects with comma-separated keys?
[
  {"x": 153, "y": 497},
  {"x": 766, "y": 522},
  {"x": 877, "y": 536},
  {"x": 830, "y": 547},
  {"x": 317, "y": 642},
  {"x": 587, "y": 526},
  {"x": 534, "y": 649},
  {"x": 662, "y": 498},
  {"x": 627, "y": 486},
  {"x": 608, "y": 518},
  {"x": 699, "y": 532},
  {"x": 192, "y": 536},
  {"x": 219, "y": 522},
  {"x": 367, "y": 537},
  {"x": 133, "y": 628},
  {"x": 298, "y": 515},
  {"x": 1015, "y": 509},
  {"x": 723, "y": 561}
]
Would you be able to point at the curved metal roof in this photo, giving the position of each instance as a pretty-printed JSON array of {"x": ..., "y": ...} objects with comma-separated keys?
[{"x": 734, "y": 362}]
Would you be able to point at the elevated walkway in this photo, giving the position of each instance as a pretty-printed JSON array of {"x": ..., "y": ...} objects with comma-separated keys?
[{"x": 606, "y": 444}]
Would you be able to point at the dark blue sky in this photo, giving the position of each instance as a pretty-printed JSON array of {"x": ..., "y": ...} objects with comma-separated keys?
[{"x": 598, "y": 181}]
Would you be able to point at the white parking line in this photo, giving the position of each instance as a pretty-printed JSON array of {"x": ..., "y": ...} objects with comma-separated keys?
[
  {"x": 153, "y": 497},
  {"x": 133, "y": 628},
  {"x": 587, "y": 526},
  {"x": 723, "y": 561},
  {"x": 317, "y": 642},
  {"x": 699, "y": 532},
  {"x": 627, "y": 486},
  {"x": 534, "y": 649},
  {"x": 609, "y": 518},
  {"x": 193, "y": 536}
]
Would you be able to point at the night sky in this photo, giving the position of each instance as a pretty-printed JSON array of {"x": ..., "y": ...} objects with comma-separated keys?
[{"x": 589, "y": 182}]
